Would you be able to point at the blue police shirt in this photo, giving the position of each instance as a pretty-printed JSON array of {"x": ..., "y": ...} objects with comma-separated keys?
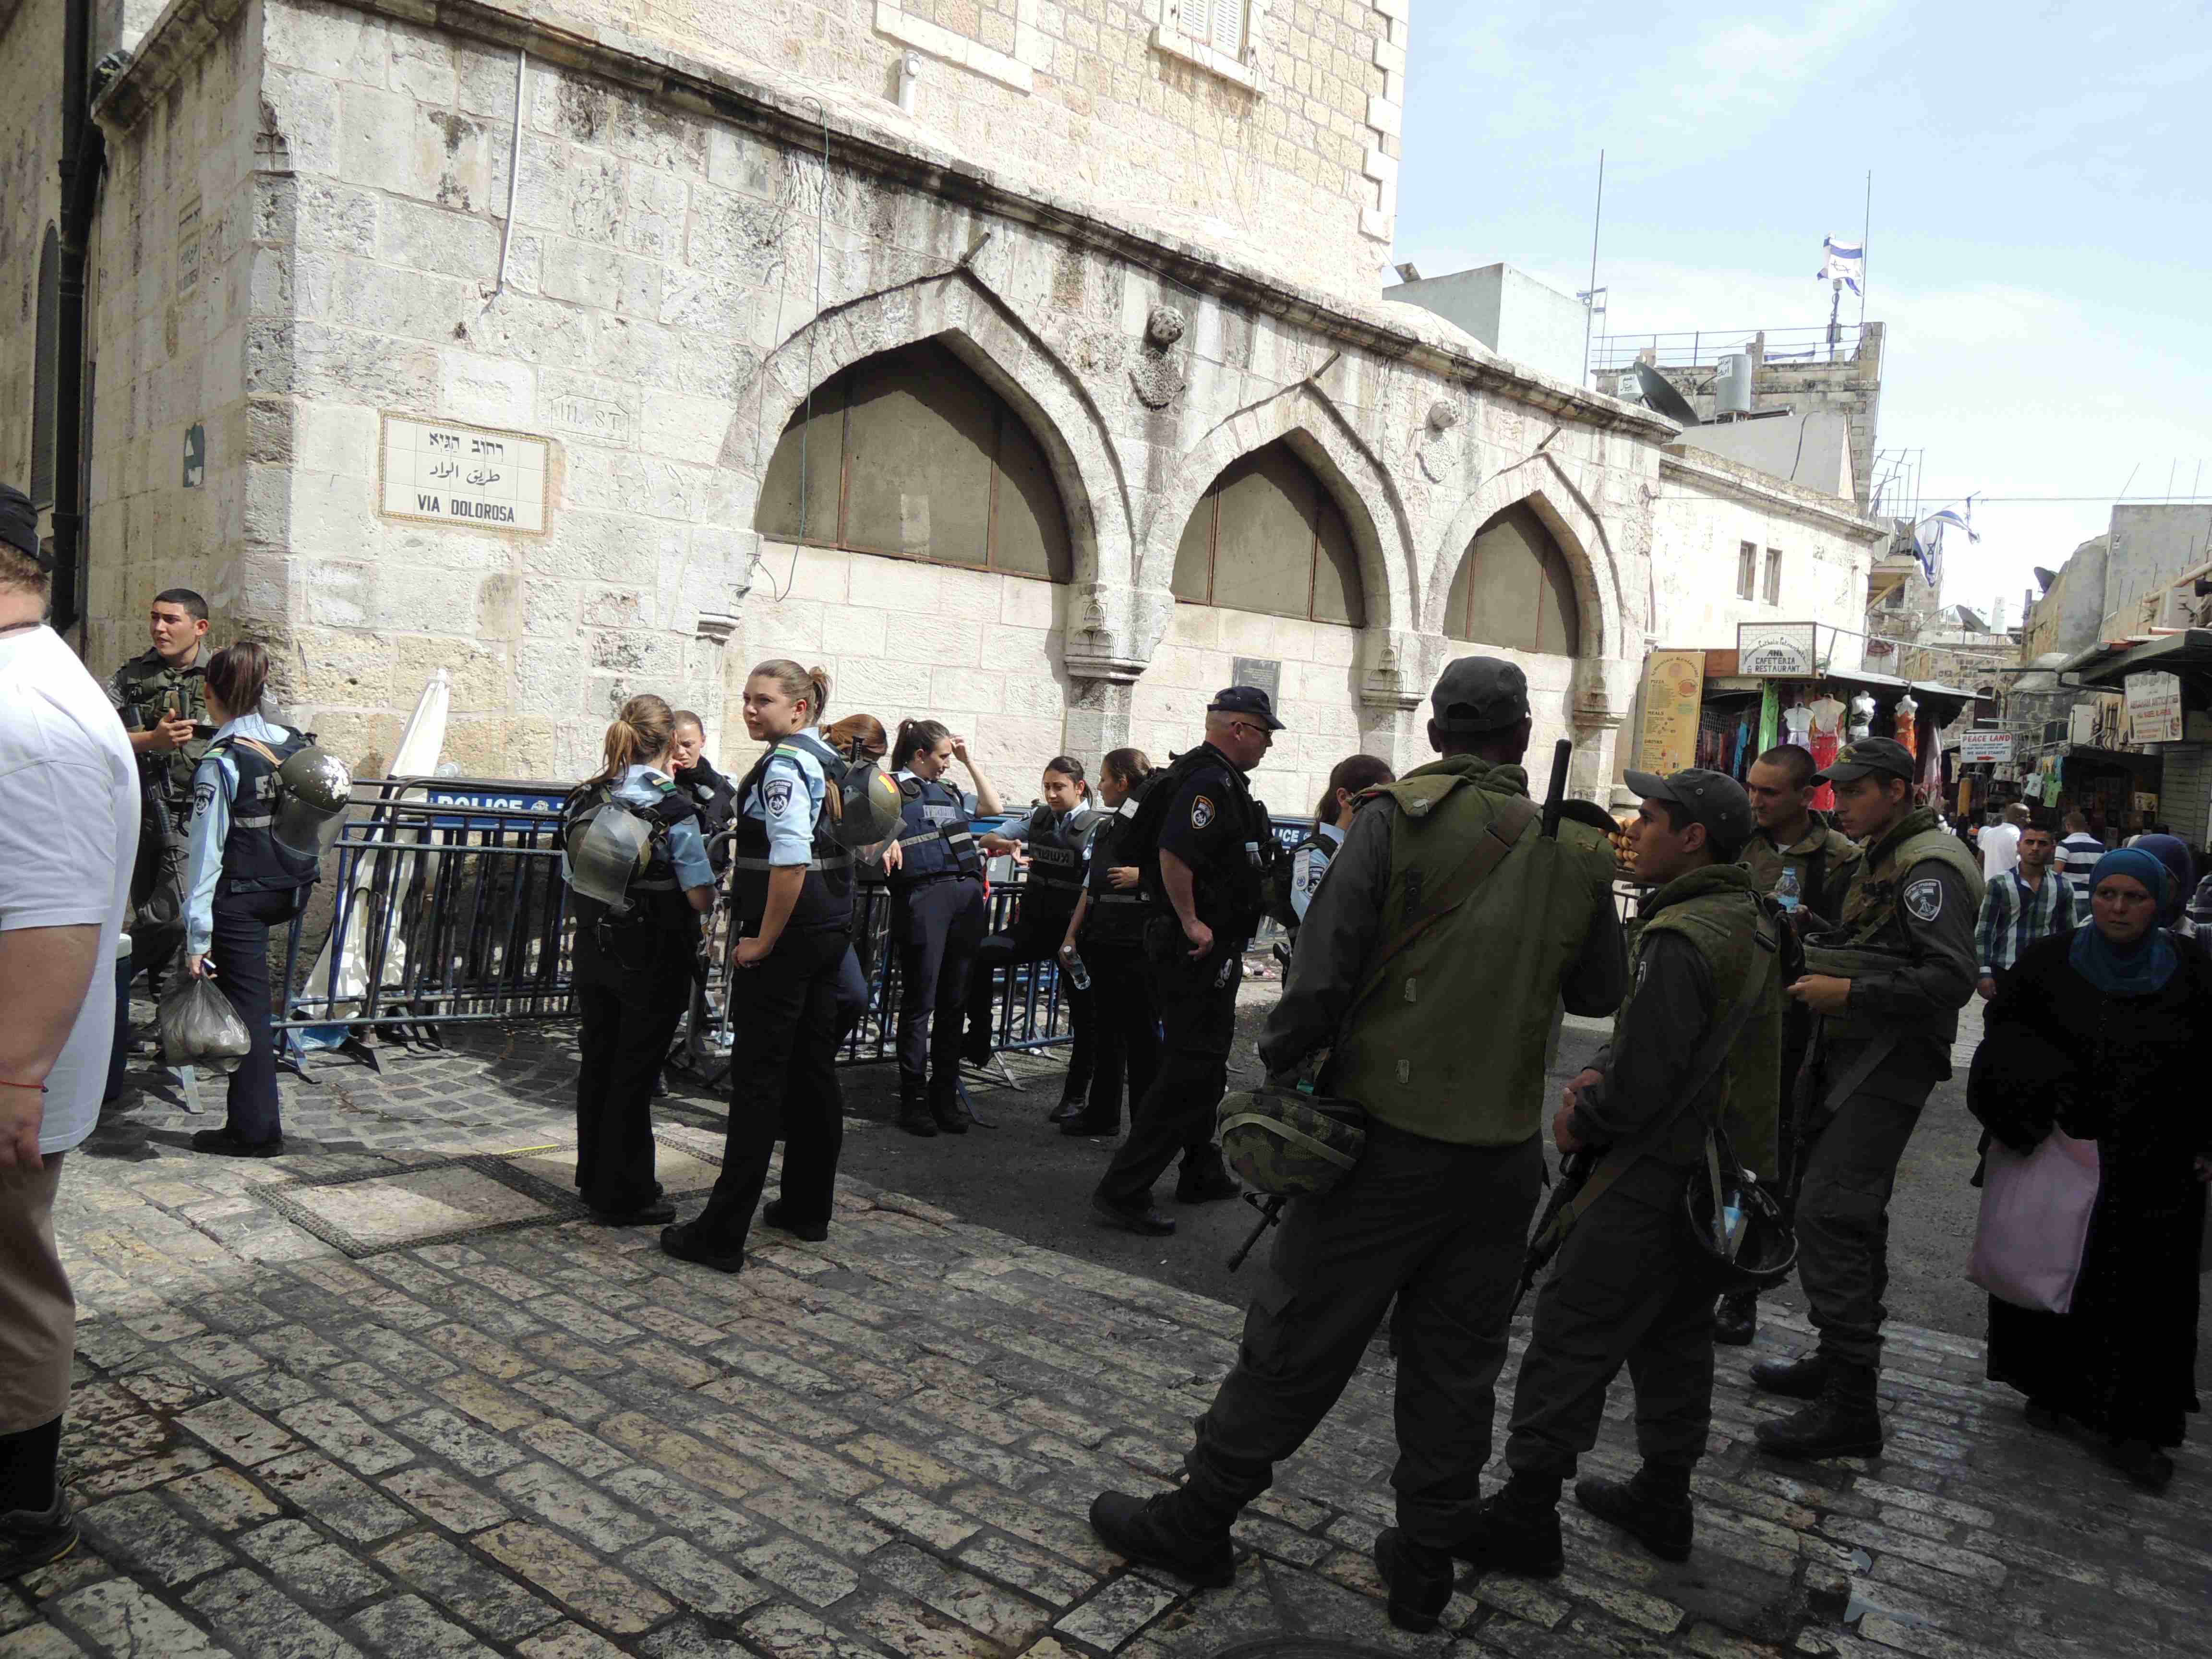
[
  {"x": 214, "y": 784},
  {"x": 687, "y": 847},
  {"x": 788, "y": 800},
  {"x": 1310, "y": 865}
]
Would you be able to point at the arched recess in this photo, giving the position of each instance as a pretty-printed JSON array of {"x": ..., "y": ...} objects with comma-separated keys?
[
  {"x": 1543, "y": 486},
  {"x": 1268, "y": 536},
  {"x": 958, "y": 312},
  {"x": 1514, "y": 588},
  {"x": 1303, "y": 420},
  {"x": 909, "y": 454},
  {"x": 45, "y": 369}
]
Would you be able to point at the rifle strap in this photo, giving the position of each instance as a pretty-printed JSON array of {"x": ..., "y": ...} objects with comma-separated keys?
[
  {"x": 1766, "y": 949},
  {"x": 1497, "y": 839}
]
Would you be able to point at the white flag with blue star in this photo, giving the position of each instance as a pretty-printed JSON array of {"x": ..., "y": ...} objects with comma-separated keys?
[{"x": 1845, "y": 260}]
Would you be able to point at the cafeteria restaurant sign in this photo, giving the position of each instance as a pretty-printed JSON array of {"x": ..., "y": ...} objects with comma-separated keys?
[{"x": 1781, "y": 651}]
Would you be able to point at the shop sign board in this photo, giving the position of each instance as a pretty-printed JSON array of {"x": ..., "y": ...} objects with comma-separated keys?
[
  {"x": 1673, "y": 685},
  {"x": 1975, "y": 746},
  {"x": 2154, "y": 707},
  {"x": 1781, "y": 651}
]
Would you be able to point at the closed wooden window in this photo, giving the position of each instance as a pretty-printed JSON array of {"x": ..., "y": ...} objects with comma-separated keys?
[
  {"x": 1747, "y": 570},
  {"x": 1774, "y": 575},
  {"x": 46, "y": 365},
  {"x": 909, "y": 454},
  {"x": 1513, "y": 589},
  {"x": 1216, "y": 23},
  {"x": 1267, "y": 536}
]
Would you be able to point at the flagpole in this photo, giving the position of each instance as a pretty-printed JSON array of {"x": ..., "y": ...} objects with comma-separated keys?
[
  {"x": 1866, "y": 224},
  {"x": 1590, "y": 304}
]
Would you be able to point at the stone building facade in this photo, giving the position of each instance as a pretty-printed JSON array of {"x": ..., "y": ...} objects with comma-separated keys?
[{"x": 1175, "y": 429}]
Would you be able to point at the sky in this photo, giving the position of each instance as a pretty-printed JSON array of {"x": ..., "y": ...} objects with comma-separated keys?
[{"x": 2038, "y": 241}]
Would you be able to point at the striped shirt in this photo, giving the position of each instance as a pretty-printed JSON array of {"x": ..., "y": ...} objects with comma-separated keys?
[
  {"x": 2016, "y": 915},
  {"x": 2076, "y": 857}
]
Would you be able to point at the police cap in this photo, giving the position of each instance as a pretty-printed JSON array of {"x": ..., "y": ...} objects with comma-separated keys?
[
  {"x": 19, "y": 524},
  {"x": 1868, "y": 758},
  {"x": 1245, "y": 700},
  {"x": 1475, "y": 695},
  {"x": 1713, "y": 798}
]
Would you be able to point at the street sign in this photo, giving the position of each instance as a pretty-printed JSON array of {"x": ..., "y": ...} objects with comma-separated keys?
[{"x": 1975, "y": 746}]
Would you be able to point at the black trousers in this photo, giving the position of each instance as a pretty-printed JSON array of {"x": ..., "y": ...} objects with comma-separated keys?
[
  {"x": 629, "y": 1011},
  {"x": 1438, "y": 1226},
  {"x": 1128, "y": 1023},
  {"x": 1628, "y": 1288},
  {"x": 783, "y": 1078},
  {"x": 1038, "y": 932},
  {"x": 239, "y": 948},
  {"x": 935, "y": 926},
  {"x": 1197, "y": 1002},
  {"x": 852, "y": 994}
]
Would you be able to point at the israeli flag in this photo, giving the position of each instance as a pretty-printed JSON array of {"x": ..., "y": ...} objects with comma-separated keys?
[
  {"x": 1949, "y": 516},
  {"x": 1928, "y": 539},
  {"x": 1846, "y": 260}
]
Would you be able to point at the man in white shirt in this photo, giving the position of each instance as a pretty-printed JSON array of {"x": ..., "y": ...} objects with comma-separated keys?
[
  {"x": 69, "y": 832},
  {"x": 2000, "y": 843}
]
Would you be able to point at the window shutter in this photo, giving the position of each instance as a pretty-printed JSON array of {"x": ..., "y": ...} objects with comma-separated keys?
[{"x": 1216, "y": 23}]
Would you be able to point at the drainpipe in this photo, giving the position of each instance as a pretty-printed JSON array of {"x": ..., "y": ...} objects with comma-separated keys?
[{"x": 83, "y": 158}]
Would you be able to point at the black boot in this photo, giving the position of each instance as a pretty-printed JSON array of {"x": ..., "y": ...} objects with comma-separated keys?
[
  {"x": 914, "y": 1114},
  {"x": 1517, "y": 1530},
  {"x": 33, "y": 1538},
  {"x": 1654, "y": 1508},
  {"x": 1794, "y": 1379},
  {"x": 2141, "y": 1461},
  {"x": 1084, "y": 1124},
  {"x": 1418, "y": 1578},
  {"x": 1843, "y": 1422},
  {"x": 1735, "y": 1319},
  {"x": 948, "y": 1106},
  {"x": 1173, "y": 1531},
  {"x": 1204, "y": 1179},
  {"x": 1072, "y": 1106}
]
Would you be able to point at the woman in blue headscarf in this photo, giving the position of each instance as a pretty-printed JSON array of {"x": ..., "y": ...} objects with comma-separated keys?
[{"x": 2100, "y": 1032}]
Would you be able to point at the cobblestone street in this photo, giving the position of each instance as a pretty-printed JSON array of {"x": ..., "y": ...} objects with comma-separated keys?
[{"x": 393, "y": 1394}]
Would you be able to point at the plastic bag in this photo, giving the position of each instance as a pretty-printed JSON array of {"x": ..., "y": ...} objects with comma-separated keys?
[
  {"x": 200, "y": 1028},
  {"x": 2035, "y": 1221}
]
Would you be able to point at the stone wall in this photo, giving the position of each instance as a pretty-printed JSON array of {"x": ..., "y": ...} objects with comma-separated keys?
[
  {"x": 1850, "y": 385},
  {"x": 30, "y": 201},
  {"x": 657, "y": 323}
]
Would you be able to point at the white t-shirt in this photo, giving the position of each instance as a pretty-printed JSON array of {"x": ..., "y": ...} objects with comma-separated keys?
[
  {"x": 2000, "y": 845},
  {"x": 68, "y": 834}
]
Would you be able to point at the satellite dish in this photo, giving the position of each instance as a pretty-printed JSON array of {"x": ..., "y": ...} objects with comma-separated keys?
[{"x": 1659, "y": 396}]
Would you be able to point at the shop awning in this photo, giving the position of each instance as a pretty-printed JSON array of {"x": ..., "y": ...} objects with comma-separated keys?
[
  {"x": 2113, "y": 661},
  {"x": 1940, "y": 703}
]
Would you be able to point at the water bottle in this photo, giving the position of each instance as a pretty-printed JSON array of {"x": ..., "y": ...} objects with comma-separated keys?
[
  {"x": 1732, "y": 1223},
  {"x": 1077, "y": 975},
  {"x": 1786, "y": 890}
]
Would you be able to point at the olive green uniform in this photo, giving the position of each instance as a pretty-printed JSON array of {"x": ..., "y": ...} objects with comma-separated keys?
[
  {"x": 1629, "y": 1287},
  {"x": 145, "y": 691},
  {"x": 1823, "y": 859},
  {"x": 1905, "y": 940},
  {"x": 1448, "y": 1056}
]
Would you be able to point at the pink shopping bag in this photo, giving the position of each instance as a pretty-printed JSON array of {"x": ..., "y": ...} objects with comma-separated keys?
[{"x": 2035, "y": 1221}]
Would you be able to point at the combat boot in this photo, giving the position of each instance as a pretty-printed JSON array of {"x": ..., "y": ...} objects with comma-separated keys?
[
  {"x": 1175, "y": 1531},
  {"x": 1844, "y": 1422},
  {"x": 948, "y": 1106},
  {"x": 913, "y": 1115},
  {"x": 1802, "y": 1378},
  {"x": 1517, "y": 1530},
  {"x": 1418, "y": 1578},
  {"x": 1735, "y": 1319},
  {"x": 1204, "y": 1180},
  {"x": 1653, "y": 1508}
]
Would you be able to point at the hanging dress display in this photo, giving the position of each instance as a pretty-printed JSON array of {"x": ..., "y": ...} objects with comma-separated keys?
[{"x": 1827, "y": 737}]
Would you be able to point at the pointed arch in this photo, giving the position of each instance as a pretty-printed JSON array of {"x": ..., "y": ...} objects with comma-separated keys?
[
  {"x": 1303, "y": 418},
  {"x": 958, "y": 312},
  {"x": 1543, "y": 486}
]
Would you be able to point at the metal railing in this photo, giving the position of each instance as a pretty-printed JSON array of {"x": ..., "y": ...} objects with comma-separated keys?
[{"x": 1702, "y": 348}]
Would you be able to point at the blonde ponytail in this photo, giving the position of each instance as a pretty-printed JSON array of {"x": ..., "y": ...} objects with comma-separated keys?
[{"x": 642, "y": 728}]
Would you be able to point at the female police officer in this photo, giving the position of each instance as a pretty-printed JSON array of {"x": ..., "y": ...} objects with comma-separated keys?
[
  {"x": 794, "y": 889},
  {"x": 1108, "y": 927},
  {"x": 936, "y": 878},
  {"x": 242, "y": 881},
  {"x": 636, "y": 866},
  {"x": 1057, "y": 835}
]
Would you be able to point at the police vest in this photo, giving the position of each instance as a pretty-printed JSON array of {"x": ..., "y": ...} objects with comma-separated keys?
[
  {"x": 825, "y": 898},
  {"x": 253, "y": 859},
  {"x": 656, "y": 896},
  {"x": 1057, "y": 864},
  {"x": 1716, "y": 910},
  {"x": 1117, "y": 916},
  {"x": 1870, "y": 936},
  {"x": 149, "y": 689},
  {"x": 933, "y": 836},
  {"x": 1451, "y": 1045}
]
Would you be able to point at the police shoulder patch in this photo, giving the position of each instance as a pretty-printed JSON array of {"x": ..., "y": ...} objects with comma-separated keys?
[
  {"x": 1923, "y": 899},
  {"x": 1202, "y": 811},
  {"x": 775, "y": 796},
  {"x": 203, "y": 797}
]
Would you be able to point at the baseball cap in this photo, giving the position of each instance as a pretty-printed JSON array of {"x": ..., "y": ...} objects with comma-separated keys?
[
  {"x": 19, "y": 524},
  {"x": 1480, "y": 694},
  {"x": 1245, "y": 700},
  {"x": 1869, "y": 756},
  {"x": 1713, "y": 798}
]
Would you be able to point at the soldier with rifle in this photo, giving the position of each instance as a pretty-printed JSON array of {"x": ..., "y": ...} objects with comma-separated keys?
[
  {"x": 1697, "y": 1047},
  {"x": 1886, "y": 985},
  {"x": 1428, "y": 966}
]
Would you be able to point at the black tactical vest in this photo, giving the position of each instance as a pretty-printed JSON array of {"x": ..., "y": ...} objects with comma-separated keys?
[
  {"x": 934, "y": 839},
  {"x": 826, "y": 900},
  {"x": 1117, "y": 916},
  {"x": 1056, "y": 864},
  {"x": 657, "y": 901},
  {"x": 253, "y": 859}
]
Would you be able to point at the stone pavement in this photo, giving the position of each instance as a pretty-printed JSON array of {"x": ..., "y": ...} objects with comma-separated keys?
[{"x": 389, "y": 1395}]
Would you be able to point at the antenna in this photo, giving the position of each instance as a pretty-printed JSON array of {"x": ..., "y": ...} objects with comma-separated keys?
[
  {"x": 1659, "y": 396},
  {"x": 1589, "y": 314}
]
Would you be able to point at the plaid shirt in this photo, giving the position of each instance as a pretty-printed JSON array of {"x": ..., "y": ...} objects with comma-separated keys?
[{"x": 2014, "y": 916}]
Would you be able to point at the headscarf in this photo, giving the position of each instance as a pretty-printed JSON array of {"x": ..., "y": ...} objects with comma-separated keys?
[
  {"x": 2138, "y": 970},
  {"x": 2173, "y": 853}
]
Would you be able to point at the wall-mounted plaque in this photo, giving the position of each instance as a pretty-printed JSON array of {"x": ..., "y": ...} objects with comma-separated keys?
[{"x": 444, "y": 472}]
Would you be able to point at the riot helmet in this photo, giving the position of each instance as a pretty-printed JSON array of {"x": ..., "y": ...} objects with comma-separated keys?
[
  {"x": 314, "y": 789},
  {"x": 867, "y": 805}
]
